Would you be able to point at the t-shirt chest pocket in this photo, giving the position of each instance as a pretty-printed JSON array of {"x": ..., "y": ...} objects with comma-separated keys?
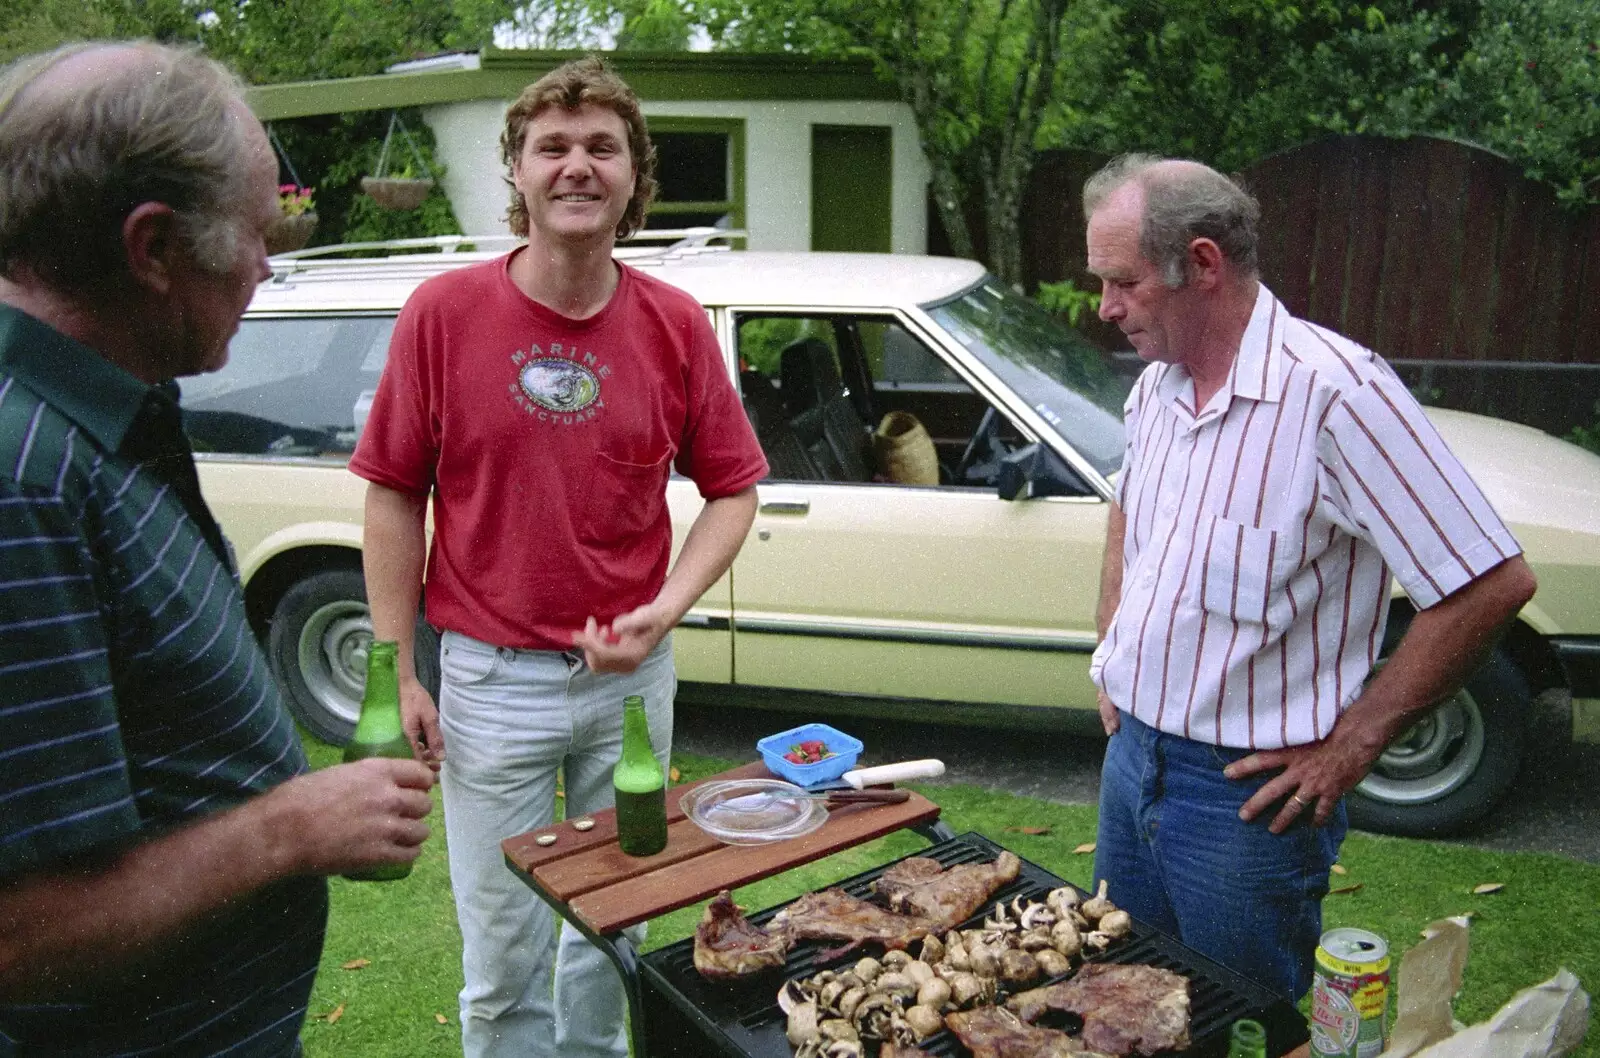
[
  {"x": 1245, "y": 569},
  {"x": 624, "y": 499}
]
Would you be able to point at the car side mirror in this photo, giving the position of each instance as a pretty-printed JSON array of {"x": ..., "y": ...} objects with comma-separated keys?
[{"x": 1034, "y": 470}]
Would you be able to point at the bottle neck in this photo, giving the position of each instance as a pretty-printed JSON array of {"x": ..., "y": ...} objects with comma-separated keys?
[
  {"x": 635, "y": 734},
  {"x": 637, "y": 770},
  {"x": 1248, "y": 1039},
  {"x": 380, "y": 701}
]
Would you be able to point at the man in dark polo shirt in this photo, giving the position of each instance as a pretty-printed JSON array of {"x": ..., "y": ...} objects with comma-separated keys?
[{"x": 161, "y": 853}]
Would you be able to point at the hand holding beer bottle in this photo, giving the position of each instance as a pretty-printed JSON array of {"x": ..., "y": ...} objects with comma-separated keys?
[{"x": 379, "y": 734}]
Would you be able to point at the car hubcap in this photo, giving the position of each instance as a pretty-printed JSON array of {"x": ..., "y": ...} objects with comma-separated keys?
[
  {"x": 333, "y": 657},
  {"x": 1433, "y": 759}
]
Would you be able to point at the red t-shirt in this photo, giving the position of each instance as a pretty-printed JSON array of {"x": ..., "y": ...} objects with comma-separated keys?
[{"x": 547, "y": 442}]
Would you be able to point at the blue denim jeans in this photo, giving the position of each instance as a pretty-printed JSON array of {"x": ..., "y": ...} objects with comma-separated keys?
[
  {"x": 510, "y": 719},
  {"x": 1176, "y": 856}
]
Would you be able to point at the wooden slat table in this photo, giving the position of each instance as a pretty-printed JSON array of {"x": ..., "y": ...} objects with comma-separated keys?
[{"x": 601, "y": 890}]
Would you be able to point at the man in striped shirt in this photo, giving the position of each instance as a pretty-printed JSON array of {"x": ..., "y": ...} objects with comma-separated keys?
[
  {"x": 161, "y": 854},
  {"x": 1275, "y": 475}
]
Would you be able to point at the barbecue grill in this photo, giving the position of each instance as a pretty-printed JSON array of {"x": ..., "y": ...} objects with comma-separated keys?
[{"x": 688, "y": 1016}]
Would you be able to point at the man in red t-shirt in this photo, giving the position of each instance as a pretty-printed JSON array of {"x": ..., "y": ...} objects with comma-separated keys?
[{"x": 542, "y": 399}]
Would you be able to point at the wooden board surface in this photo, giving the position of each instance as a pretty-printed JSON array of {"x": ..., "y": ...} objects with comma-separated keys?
[
  {"x": 610, "y": 890},
  {"x": 612, "y": 907},
  {"x": 526, "y": 855}
]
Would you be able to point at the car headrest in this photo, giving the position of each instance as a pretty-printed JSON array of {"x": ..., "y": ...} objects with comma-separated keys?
[{"x": 810, "y": 375}]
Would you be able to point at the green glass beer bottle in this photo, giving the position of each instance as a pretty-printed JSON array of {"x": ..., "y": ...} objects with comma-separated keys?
[
  {"x": 1248, "y": 1039},
  {"x": 379, "y": 734},
  {"x": 641, "y": 786}
]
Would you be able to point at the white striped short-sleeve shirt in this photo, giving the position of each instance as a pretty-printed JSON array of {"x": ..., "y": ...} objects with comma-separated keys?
[{"x": 1261, "y": 533}]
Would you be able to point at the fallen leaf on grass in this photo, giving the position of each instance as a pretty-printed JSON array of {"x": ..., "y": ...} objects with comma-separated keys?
[
  {"x": 1337, "y": 869},
  {"x": 1465, "y": 919},
  {"x": 1344, "y": 889},
  {"x": 1487, "y": 887},
  {"x": 675, "y": 775},
  {"x": 562, "y": 794},
  {"x": 336, "y": 1013},
  {"x": 1035, "y": 831},
  {"x": 1086, "y": 847},
  {"x": 356, "y": 964},
  {"x": 441, "y": 1019}
]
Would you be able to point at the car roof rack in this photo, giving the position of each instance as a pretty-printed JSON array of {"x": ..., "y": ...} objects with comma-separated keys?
[{"x": 638, "y": 248}]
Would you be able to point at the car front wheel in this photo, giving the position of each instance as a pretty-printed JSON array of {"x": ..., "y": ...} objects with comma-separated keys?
[
  {"x": 320, "y": 636},
  {"x": 1454, "y": 764}
]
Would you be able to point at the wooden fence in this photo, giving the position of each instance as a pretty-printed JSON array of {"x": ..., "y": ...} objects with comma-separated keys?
[{"x": 1468, "y": 277}]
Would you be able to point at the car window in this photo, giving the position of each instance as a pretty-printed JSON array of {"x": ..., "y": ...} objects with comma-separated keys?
[
  {"x": 858, "y": 399},
  {"x": 898, "y": 358},
  {"x": 1071, "y": 384},
  {"x": 914, "y": 391},
  {"x": 291, "y": 387}
]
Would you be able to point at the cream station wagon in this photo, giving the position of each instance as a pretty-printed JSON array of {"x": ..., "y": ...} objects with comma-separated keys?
[{"x": 969, "y": 600}]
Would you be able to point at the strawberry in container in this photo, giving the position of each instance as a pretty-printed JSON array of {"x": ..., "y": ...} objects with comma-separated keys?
[{"x": 809, "y": 754}]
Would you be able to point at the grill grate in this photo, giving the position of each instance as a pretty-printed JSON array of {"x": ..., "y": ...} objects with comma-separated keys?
[{"x": 742, "y": 1019}]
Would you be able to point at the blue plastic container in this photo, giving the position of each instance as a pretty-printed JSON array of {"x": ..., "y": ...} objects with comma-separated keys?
[{"x": 846, "y": 749}]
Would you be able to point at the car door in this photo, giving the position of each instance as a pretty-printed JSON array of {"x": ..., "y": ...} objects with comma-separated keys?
[
  {"x": 852, "y": 584},
  {"x": 702, "y": 642}
]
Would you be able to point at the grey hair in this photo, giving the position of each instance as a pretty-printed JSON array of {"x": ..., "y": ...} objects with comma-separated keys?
[
  {"x": 165, "y": 126},
  {"x": 1181, "y": 203}
]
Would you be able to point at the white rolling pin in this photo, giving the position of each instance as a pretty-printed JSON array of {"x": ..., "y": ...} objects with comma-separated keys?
[{"x": 861, "y": 778}]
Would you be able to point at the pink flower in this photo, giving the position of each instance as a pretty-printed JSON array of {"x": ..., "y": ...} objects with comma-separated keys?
[{"x": 294, "y": 200}]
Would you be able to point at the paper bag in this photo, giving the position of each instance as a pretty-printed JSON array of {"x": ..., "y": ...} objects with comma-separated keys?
[
  {"x": 1425, "y": 986},
  {"x": 1546, "y": 1021}
]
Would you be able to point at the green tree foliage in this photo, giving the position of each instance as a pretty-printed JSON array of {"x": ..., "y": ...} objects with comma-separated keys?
[
  {"x": 293, "y": 40},
  {"x": 28, "y": 26},
  {"x": 979, "y": 76},
  {"x": 333, "y": 152},
  {"x": 653, "y": 25},
  {"x": 298, "y": 40},
  {"x": 1234, "y": 80},
  {"x": 1529, "y": 86},
  {"x": 1229, "y": 81}
]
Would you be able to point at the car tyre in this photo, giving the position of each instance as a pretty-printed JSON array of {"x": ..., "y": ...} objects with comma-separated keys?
[
  {"x": 1455, "y": 764},
  {"x": 320, "y": 632}
]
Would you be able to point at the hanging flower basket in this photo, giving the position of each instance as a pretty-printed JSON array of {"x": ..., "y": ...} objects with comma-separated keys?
[
  {"x": 396, "y": 192},
  {"x": 398, "y": 189},
  {"x": 290, "y": 233}
]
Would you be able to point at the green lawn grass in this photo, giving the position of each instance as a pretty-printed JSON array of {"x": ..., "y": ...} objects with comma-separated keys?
[{"x": 1547, "y": 916}]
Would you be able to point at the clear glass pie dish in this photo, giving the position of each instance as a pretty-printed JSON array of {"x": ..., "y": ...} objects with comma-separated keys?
[{"x": 754, "y": 811}]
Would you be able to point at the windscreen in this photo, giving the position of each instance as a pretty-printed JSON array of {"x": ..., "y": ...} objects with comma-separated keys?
[{"x": 1068, "y": 380}]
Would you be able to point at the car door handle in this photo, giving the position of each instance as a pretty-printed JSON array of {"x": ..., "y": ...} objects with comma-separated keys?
[{"x": 786, "y": 507}]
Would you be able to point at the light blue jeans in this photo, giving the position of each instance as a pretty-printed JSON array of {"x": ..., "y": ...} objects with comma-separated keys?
[
  {"x": 1176, "y": 856},
  {"x": 511, "y": 719}
]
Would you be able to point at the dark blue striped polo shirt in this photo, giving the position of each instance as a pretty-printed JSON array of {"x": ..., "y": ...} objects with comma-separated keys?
[{"x": 133, "y": 699}]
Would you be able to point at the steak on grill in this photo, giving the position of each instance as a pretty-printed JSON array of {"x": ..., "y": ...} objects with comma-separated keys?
[
  {"x": 726, "y": 944},
  {"x": 990, "y": 1032},
  {"x": 921, "y": 886},
  {"x": 1125, "y": 1009},
  {"x": 834, "y": 914}
]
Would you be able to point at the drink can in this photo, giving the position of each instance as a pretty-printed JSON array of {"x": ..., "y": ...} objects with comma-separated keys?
[{"x": 1350, "y": 995}]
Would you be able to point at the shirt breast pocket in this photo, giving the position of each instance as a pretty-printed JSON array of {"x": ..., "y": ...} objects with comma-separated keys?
[
  {"x": 1246, "y": 571},
  {"x": 624, "y": 499}
]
